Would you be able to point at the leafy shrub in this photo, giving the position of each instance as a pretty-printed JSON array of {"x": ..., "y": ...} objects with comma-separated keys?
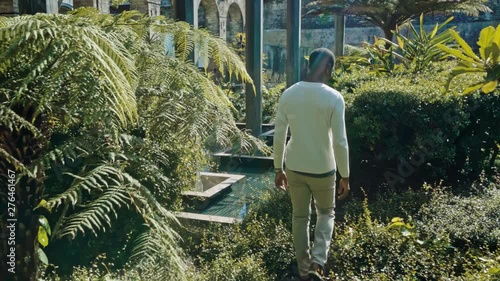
[
  {"x": 264, "y": 236},
  {"x": 469, "y": 220},
  {"x": 402, "y": 129},
  {"x": 488, "y": 61},
  {"x": 389, "y": 204},
  {"x": 275, "y": 205},
  {"x": 225, "y": 267},
  {"x": 366, "y": 249}
]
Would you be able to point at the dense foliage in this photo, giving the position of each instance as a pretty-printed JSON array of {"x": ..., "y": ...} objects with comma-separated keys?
[
  {"x": 104, "y": 128},
  {"x": 97, "y": 122}
]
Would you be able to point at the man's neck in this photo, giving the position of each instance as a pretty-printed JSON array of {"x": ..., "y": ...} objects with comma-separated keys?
[{"x": 313, "y": 79}]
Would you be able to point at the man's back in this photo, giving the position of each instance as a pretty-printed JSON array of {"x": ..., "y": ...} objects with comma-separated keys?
[{"x": 313, "y": 111}]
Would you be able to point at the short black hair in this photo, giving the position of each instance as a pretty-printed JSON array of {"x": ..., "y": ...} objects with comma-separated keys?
[{"x": 318, "y": 56}]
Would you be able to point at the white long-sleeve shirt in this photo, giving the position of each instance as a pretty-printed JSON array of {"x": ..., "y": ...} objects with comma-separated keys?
[{"x": 315, "y": 114}]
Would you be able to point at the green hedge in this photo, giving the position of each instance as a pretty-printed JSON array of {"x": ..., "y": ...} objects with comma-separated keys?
[
  {"x": 404, "y": 130},
  {"x": 365, "y": 245}
]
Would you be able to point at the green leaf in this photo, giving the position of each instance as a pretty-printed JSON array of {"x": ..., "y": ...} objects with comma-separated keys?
[
  {"x": 474, "y": 88},
  {"x": 44, "y": 204},
  {"x": 454, "y": 52},
  {"x": 396, "y": 219},
  {"x": 490, "y": 86},
  {"x": 45, "y": 224},
  {"x": 485, "y": 39},
  {"x": 466, "y": 47},
  {"x": 434, "y": 31},
  {"x": 42, "y": 256},
  {"x": 42, "y": 236},
  {"x": 496, "y": 40},
  {"x": 494, "y": 270}
]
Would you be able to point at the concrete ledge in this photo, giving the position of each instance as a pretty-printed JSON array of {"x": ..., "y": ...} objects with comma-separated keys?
[
  {"x": 211, "y": 192},
  {"x": 207, "y": 218}
]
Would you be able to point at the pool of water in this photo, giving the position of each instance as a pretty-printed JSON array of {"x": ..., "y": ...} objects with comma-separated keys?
[{"x": 242, "y": 194}]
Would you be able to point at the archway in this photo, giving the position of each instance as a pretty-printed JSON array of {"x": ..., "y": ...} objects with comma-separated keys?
[
  {"x": 208, "y": 16},
  {"x": 234, "y": 22}
]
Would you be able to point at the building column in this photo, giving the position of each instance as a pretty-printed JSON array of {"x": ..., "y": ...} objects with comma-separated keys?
[
  {"x": 103, "y": 6},
  {"x": 254, "y": 48},
  {"x": 223, "y": 27},
  {"x": 293, "y": 28},
  {"x": 339, "y": 34}
]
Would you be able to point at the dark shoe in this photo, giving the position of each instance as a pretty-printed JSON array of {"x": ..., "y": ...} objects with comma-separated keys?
[{"x": 316, "y": 272}]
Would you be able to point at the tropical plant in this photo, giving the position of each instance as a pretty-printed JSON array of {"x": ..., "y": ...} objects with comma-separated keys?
[
  {"x": 97, "y": 91},
  {"x": 419, "y": 49},
  {"x": 488, "y": 61},
  {"x": 388, "y": 14}
]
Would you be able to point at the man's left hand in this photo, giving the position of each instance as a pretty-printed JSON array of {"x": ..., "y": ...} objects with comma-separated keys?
[{"x": 281, "y": 181}]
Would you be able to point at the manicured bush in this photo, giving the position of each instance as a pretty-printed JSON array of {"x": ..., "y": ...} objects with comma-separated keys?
[{"x": 403, "y": 129}]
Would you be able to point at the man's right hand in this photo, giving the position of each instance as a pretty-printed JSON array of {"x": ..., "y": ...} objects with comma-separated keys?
[{"x": 343, "y": 189}]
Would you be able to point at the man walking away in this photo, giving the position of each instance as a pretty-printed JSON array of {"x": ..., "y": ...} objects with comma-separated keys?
[{"x": 317, "y": 148}]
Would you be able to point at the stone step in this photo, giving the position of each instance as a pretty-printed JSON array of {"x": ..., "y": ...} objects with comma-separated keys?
[{"x": 206, "y": 218}]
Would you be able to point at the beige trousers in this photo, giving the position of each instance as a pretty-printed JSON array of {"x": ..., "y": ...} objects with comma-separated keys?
[{"x": 302, "y": 188}]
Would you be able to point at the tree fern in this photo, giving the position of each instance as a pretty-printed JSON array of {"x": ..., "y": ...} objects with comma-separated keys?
[{"x": 97, "y": 80}]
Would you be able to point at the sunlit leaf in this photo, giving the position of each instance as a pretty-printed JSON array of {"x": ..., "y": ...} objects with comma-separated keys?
[
  {"x": 45, "y": 224},
  {"x": 490, "y": 86},
  {"x": 43, "y": 239},
  {"x": 42, "y": 257}
]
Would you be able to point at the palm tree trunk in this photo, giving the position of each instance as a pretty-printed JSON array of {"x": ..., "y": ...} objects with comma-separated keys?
[{"x": 22, "y": 145}]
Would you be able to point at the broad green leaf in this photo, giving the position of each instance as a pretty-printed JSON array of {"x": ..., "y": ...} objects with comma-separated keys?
[
  {"x": 490, "y": 86},
  {"x": 454, "y": 52},
  {"x": 396, "y": 224},
  {"x": 466, "y": 47},
  {"x": 45, "y": 224},
  {"x": 495, "y": 53},
  {"x": 42, "y": 257},
  {"x": 497, "y": 36},
  {"x": 485, "y": 39},
  {"x": 494, "y": 270},
  {"x": 396, "y": 219},
  {"x": 42, "y": 237},
  {"x": 474, "y": 88}
]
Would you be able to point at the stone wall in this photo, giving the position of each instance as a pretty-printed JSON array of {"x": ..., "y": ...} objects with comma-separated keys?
[{"x": 7, "y": 8}]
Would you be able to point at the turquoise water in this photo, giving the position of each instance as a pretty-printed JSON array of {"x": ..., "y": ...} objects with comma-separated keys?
[{"x": 242, "y": 194}]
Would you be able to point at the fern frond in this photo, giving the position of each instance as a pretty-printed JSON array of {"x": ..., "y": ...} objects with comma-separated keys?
[
  {"x": 95, "y": 215},
  {"x": 99, "y": 177},
  {"x": 13, "y": 121}
]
